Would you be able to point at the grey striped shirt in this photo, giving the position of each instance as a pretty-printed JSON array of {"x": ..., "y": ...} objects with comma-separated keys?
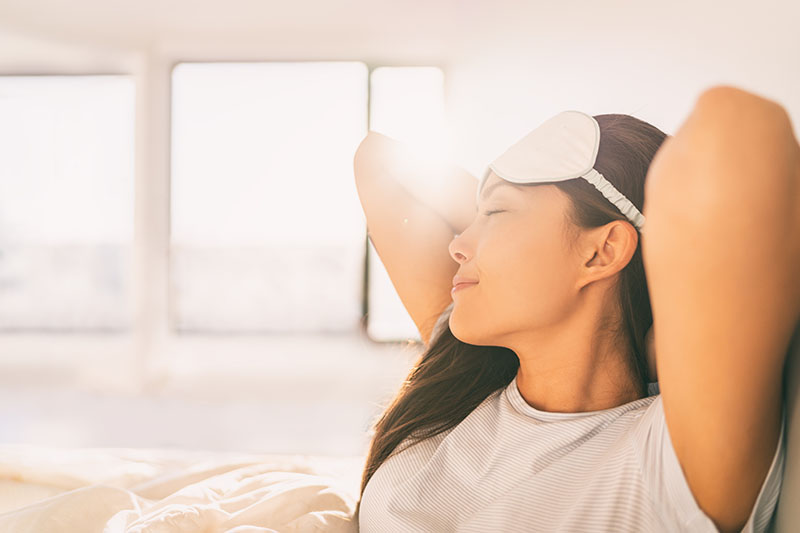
[{"x": 511, "y": 467}]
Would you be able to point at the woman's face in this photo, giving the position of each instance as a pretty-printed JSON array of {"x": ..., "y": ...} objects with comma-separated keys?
[{"x": 517, "y": 250}]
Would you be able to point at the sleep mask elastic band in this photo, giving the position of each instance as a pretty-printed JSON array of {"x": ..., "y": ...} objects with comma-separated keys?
[{"x": 563, "y": 147}]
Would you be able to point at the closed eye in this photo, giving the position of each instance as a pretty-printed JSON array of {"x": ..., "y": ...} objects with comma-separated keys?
[{"x": 489, "y": 213}]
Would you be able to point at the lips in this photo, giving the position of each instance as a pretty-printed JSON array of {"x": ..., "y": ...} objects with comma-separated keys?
[{"x": 462, "y": 281}]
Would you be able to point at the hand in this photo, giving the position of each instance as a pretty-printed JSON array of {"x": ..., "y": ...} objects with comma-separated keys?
[{"x": 650, "y": 350}]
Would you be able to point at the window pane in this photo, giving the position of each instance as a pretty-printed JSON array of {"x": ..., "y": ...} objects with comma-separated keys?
[
  {"x": 66, "y": 201},
  {"x": 267, "y": 229},
  {"x": 406, "y": 103}
]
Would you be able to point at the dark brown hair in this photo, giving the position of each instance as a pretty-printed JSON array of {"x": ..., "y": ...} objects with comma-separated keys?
[{"x": 451, "y": 378}]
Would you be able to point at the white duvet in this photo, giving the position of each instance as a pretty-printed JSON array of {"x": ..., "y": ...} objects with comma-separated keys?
[{"x": 46, "y": 490}]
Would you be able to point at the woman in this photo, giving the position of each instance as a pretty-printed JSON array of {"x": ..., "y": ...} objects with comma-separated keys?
[{"x": 530, "y": 407}]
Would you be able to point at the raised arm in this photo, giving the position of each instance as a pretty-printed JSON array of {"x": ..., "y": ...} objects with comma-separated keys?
[
  {"x": 721, "y": 248},
  {"x": 414, "y": 206}
]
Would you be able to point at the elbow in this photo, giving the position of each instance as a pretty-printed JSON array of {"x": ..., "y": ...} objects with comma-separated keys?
[
  {"x": 372, "y": 156},
  {"x": 364, "y": 150},
  {"x": 361, "y": 157},
  {"x": 736, "y": 103},
  {"x": 738, "y": 117},
  {"x": 730, "y": 138}
]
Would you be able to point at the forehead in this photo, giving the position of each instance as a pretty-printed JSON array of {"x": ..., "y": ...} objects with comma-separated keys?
[
  {"x": 494, "y": 182},
  {"x": 540, "y": 193},
  {"x": 491, "y": 179}
]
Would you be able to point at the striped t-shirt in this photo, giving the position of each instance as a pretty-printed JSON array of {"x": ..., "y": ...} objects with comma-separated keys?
[{"x": 511, "y": 467}]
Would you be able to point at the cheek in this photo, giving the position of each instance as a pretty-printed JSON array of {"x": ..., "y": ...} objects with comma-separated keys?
[
  {"x": 524, "y": 283},
  {"x": 531, "y": 281}
]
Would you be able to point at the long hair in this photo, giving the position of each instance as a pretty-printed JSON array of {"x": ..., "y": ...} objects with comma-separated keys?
[{"x": 451, "y": 378}]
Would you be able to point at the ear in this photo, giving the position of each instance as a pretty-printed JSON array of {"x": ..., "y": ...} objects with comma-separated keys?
[{"x": 606, "y": 250}]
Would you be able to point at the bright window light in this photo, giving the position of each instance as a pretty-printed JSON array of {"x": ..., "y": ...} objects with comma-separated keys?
[
  {"x": 267, "y": 231},
  {"x": 406, "y": 103},
  {"x": 66, "y": 202}
]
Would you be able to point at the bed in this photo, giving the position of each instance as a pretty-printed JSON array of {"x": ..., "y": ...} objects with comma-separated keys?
[{"x": 111, "y": 490}]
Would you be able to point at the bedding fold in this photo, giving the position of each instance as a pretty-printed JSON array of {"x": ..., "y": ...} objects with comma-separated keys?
[{"x": 168, "y": 491}]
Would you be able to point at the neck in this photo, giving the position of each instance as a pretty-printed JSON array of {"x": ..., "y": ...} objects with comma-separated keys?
[{"x": 571, "y": 367}]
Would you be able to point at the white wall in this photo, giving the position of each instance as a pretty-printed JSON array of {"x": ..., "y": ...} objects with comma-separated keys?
[
  {"x": 647, "y": 59},
  {"x": 509, "y": 64}
]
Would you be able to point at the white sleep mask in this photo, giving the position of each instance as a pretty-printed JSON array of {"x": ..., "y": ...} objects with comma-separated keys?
[{"x": 563, "y": 147}]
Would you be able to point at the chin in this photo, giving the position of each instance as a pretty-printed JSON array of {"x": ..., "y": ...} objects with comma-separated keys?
[{"x": 464, "y": 331}]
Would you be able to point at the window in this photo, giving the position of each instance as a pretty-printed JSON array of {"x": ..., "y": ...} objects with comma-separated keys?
[
  {"x": 66, "y": 202},
  {"x": 267, "y": 230}
]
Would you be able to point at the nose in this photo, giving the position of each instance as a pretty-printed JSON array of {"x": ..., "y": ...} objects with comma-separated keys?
[{"x": 457, "y": 250}]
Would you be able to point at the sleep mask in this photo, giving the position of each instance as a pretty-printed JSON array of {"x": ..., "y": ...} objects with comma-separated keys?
[{"x": 563, "y": 147}]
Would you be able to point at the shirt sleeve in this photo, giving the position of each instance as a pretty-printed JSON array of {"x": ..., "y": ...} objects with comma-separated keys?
[{"x": 670, "y": 490}]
